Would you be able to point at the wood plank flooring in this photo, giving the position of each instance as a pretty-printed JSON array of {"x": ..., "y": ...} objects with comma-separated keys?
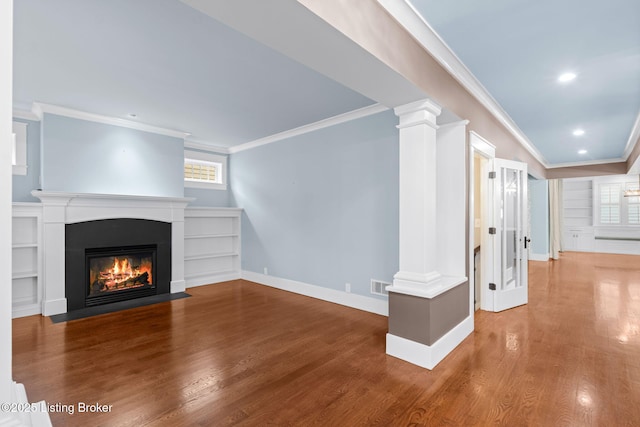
[{"x": 239, "y": 353}]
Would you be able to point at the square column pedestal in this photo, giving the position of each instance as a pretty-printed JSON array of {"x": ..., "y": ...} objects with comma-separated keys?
[{"x": 430, "y": 310}]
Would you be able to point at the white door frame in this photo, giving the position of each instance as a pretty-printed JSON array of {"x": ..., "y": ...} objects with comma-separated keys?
[{"x": 477, "y": 145}]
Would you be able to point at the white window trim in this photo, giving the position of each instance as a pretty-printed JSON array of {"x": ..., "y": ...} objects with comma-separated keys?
[
  {"x": 623, "y": 180},
  {"x": 19, "y": 148},
  {"x": 208, "y": 157}
]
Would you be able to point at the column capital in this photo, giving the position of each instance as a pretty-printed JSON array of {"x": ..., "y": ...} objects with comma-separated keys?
[{"x": 420, "y": 112}]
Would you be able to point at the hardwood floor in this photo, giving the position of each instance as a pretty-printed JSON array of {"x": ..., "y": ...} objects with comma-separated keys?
[{"x": 239, "y": 353}]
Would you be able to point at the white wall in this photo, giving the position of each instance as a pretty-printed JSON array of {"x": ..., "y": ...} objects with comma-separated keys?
[{"x": 6, "y": 105}]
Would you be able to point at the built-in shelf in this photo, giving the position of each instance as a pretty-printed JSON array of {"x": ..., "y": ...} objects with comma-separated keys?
[
  {"x": 208, "y": 236},
  {"x": 208, "y": 256},
  {"x": 209, "y": 273},
  {"x": 26, "y": 241},
  {"x": 24, "y": 245},
  {"x": 577, "y": 200},
  {"x": 24, "y": 275},
  {"x": 212, "y": 245}
]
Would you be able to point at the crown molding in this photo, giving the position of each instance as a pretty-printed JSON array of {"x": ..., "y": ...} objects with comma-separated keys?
[
  {"x": 321, "y": 124},
  {"x": 39, "y": 109},
  {"x": 588, "y": 163},
  {"x": 633, "y": 138},
  {"x": 407, "y": 16},
  {"x": 25, "y": 115},
  {"x": 199, "y": 144}
]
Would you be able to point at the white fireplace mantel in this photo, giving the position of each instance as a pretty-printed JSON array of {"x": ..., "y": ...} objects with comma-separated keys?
[{"x": 60, "y": 208}]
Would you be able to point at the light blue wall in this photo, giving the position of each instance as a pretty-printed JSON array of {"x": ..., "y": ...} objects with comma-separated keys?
[
  {"x": 24, "y": 184},
  {"x": 322, "y": 208},
  {"x": 88, "y": 157},
  {"x": 208, "y": 198},
  {"x": 539, "y": 197}
]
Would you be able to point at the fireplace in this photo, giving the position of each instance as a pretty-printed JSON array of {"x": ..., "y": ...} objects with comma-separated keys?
[
  {"x": 113, "y": 260},
  {"x": 116, "y": 274}
]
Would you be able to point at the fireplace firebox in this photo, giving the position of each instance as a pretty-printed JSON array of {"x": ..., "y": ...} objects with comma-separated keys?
[
  {"x": 114, "y": 274},
  {"x": 113, "y": 260}
]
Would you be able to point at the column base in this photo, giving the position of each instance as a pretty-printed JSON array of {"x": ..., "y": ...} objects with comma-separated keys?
[
  {"x": 428, "y": 356},
  {"x": 428, "y": 285}
]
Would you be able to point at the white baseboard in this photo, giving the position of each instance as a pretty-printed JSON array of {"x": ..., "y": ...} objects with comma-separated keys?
[
  {"x": 211, "y": 279},
  {"x": 538, "y": 257},
  {"x": 177, "y": 286},
  {"x": 27, "y": 310},
  {"x": 36, "y": 416},
  {"x": 54, "y": 306},
  {"x": 424, "y": 355},
  {"x": 360, "y": 302}
]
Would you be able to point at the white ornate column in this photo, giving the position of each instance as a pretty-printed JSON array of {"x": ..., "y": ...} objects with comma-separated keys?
[
  {"x": 418, "y": 254},
  {"x": 429, "y": 298}
]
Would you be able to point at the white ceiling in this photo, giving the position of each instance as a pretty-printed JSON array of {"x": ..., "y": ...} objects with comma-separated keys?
[{"x": 178, "y": 68}]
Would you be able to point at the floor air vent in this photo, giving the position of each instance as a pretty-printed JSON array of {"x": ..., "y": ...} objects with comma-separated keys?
[{"x": 378, "y": 287}]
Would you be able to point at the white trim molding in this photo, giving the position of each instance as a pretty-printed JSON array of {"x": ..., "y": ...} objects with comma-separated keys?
[
  {"x": 360, "y": 302},
  {"x": 198, "y": 144},
  {"x": 633, "y": 138},
  {"x": 311, "y": 127},
  {"x": 415, "y": 24},
  {"x": 538, "y": 257},
  {"x": 428, "y": 356},
  {"x": 20, "y": 148},
  {"x": 587, "y": 163},
  {"x": 25, "y": 115},
  {"x": 39, "y": 109}
]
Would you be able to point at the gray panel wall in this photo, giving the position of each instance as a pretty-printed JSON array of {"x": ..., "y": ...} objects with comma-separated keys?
[{"x": 426, "y": 320}]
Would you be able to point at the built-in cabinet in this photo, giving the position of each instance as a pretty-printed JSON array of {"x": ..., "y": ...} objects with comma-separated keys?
[
  {"x": 581, "y": 232},
  {"x": 26, "y": 260},
  {"x": 211, "y": 245},
  {"x": 577, "y": 202}
]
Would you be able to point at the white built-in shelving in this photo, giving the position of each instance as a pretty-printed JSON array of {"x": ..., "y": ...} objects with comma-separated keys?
[
  {"x": 577, "y": 202},
  {"x": 211, "y": 245},
  {"x": 26, "y": 270}
]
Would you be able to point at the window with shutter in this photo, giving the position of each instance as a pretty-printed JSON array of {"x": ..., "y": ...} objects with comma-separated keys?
[
  {"x": 633, "y": 205},
  {"x": 205, "y": 170},
  {"x": 610, "y": 203}
]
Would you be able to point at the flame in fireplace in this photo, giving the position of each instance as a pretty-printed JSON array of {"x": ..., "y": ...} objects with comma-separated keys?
[{"x": 122, "y": 271}]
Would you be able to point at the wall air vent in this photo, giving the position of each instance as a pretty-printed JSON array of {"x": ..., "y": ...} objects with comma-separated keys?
[{"x": 378, "y": 287}]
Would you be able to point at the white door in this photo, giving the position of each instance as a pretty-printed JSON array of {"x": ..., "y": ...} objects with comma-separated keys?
[{"x": 507, "y": 243}]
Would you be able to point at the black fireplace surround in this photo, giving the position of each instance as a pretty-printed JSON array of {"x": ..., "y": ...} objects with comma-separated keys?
[{"x": 122, "y": 236}]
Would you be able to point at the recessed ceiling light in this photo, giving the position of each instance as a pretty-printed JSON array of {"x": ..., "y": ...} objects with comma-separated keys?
[
  {"x": 578, "y": 132},
  {"x": 566, "y": 77},
  {"x": 582, "y": 151}
]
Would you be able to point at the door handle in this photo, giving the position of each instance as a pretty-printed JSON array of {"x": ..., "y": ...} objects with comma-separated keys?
[{"x": 526, "y": 240}]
